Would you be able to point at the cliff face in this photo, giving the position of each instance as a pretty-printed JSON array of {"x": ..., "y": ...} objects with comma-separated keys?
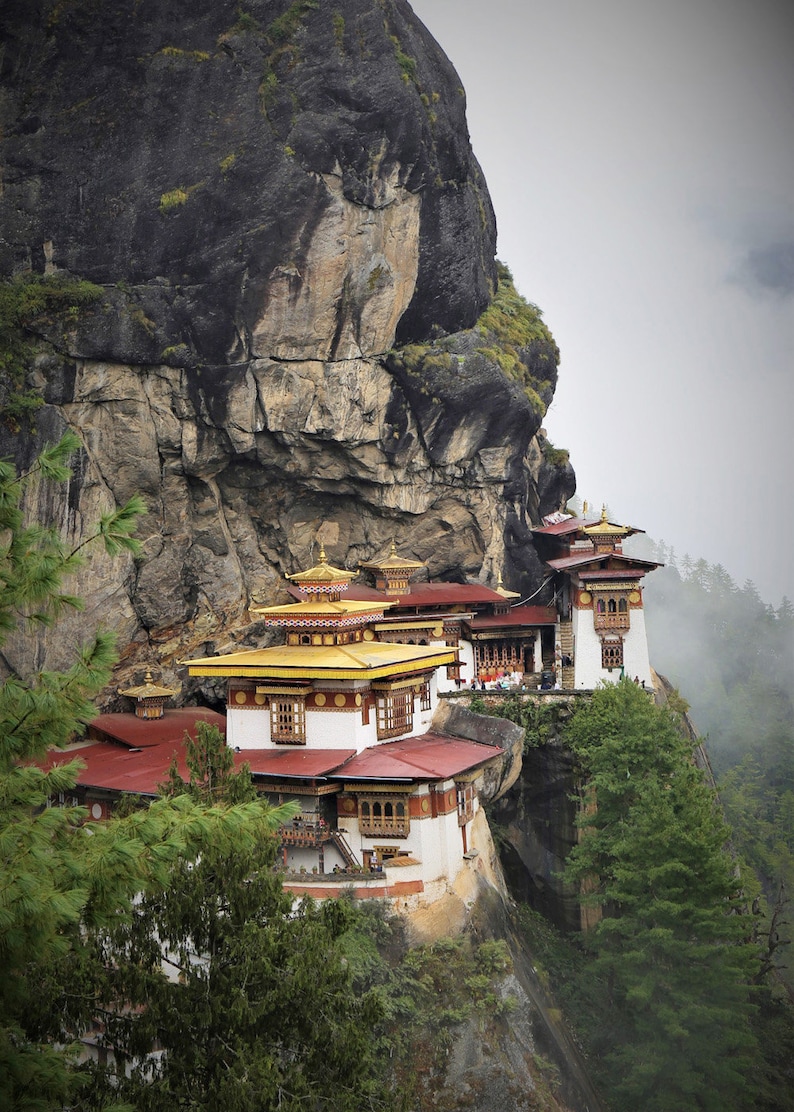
[{"x": 279, "y": 202}]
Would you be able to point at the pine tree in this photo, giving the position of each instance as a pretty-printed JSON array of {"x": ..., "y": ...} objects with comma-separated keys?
[
  {"x": 672, "y": 948},
  {"x": 61, "y": 877},
  {"x": 247, "y": 997}
]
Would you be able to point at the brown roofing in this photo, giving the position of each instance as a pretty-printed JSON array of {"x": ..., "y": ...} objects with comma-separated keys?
[
  {"x": 294, "y": 762},
  {"x": 561, "y": 528},
  {"x": 426, "y": 757},
  {"x": 516, "y": 616},
  {"x": 563, "y": 563},
  {"x": 140, "y": 733}
]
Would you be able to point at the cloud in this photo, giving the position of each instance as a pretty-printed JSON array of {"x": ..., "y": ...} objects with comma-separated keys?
[{"x": 769, "y": 268}]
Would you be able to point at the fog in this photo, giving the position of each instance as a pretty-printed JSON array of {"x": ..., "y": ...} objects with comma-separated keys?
[{"x": 641, "y": 164}]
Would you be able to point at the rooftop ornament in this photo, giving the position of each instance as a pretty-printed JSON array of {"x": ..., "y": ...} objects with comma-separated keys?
[{"x": 149, "y": 697}]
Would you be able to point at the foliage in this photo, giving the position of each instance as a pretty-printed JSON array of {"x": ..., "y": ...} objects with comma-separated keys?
[
  {"x": 406, "y": 63},
  {"x": 280, "y": 35},
  {"x": 512, "y": 335},
  {"x": 542, "y": 721},
  {"x": 23, "y": 301},
  {"x": 61, "y": 877},
  {"x": 672, "y": 946},
  {"x": 174, "y": 198},
  {"x": 733, "y": 658},
  {"x": 517, "y": 337},
  {"x": 285, "y": 26},
  {"x": 427, "y": 993},
  {"x": 555, "y": 457},
  {"x": 190, "y": 55},
  {"x": 249, "y": 998}
]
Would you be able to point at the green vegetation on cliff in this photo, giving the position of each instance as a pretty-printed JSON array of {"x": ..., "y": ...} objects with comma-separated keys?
[
  {"x": 511, "y": 334},
  {"x": 732, "y": 656},
  {"x": 23, "y": 301},
  {"x": 672, "y": 945},
  {"x": 517, "y": 338},
  {"x": 668, "y": 989}
]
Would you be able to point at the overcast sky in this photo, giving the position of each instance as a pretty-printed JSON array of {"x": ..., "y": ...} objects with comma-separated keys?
[{"x": 640, "y": 158}]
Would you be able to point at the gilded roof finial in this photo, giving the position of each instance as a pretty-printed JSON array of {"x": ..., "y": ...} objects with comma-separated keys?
[{"x": 604, "y": 512}]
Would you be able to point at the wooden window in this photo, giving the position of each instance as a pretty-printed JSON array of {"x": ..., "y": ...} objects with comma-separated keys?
[
  {"x": 288, "y": 719},
  {"x": 395, "y": 712},
  {"x": 465, "y": 797},
  {"x": 612, "y": 654},
  {"x": 611, "y": 613},
  {"x": 383, "y": 816},
  {"x": 424, "y": 694}
]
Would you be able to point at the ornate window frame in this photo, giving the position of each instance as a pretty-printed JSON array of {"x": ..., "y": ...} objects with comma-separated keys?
[
  {"x": 383, "y": 816},
  {"x": 288, "y": 719},
  {"x": 394, "y": 710},
  {"x": 611, "y": 652}
]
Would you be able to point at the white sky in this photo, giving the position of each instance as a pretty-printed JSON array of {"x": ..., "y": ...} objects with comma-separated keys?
[{"x": 640, "y": 158}]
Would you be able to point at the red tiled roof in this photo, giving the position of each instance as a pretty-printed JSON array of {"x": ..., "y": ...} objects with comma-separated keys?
[
  {"x": 113, "y": 768},
  {"x": 427, "y": 757},
  {"x": 516, "y": 616},
  {"x": 127, "y": 729}
]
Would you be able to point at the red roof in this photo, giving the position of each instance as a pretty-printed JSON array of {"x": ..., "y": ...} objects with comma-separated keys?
[
  {"x": 425, "y": 594},
  {"x": 427, "y": 757},
  {"x": 582, "y": 559},
  {"x": 570, "y": 525},
  {"x": 139, "y": 733},
  {"x": 516, "y": 616},
  {"x": 115, "y": 768},
  {"x": 296, "y": 761}
]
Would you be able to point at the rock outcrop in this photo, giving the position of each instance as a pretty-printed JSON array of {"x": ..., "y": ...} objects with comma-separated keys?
[{"x": 278, "y": 201}]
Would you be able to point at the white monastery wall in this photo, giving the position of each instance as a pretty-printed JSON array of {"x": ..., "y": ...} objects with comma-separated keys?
[
  {"x": 587, "y": 648},
  {"x": 635, "y": 650}
]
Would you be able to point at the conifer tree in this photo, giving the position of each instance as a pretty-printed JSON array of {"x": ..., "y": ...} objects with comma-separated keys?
[
  {"x": 247, "y": 998},
  {"x": 673, "y": 946},
  {"x": 62, "y": 878}
]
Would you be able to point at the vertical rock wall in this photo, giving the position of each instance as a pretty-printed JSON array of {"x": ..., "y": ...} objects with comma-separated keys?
[{"x": 273, "y": 198}]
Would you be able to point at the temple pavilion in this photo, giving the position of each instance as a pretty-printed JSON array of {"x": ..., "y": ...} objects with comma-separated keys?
[
  {"x": 339, "y": 720},
  {"x": 598, "y": 588}
]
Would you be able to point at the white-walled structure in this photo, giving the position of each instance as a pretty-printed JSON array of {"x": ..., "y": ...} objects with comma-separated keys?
[
  {"x": 339, "y": 719},
  {"x": 602, "y": 634}
]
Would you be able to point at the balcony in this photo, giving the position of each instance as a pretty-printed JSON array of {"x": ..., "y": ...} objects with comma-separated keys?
[{"x": 612, "y": 621}]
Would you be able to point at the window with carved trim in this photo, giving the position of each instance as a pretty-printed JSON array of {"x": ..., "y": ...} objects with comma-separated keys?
[
  {"x": 288, "y": 720},
  {"x": 612, "y": 654},
  {"x": 383, "y": 816},
  {"x": 424, "y": 695},
  {"x": 395, "y": 712}
]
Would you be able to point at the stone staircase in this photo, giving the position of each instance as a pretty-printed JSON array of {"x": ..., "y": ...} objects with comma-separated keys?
[{"x": 566, "y": 648}]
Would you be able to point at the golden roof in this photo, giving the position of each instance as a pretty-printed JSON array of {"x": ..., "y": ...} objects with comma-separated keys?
[
  {"x": 500, "y": 590},
  {"x": 323, "y": 573},
  {"x": 361, "y": 660},
  {"x": 323, "y": 609},
  {"x": 393, "y": 562},
  {"x": 606, "y": 528},
  {"x": 149, "y": 689}
]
